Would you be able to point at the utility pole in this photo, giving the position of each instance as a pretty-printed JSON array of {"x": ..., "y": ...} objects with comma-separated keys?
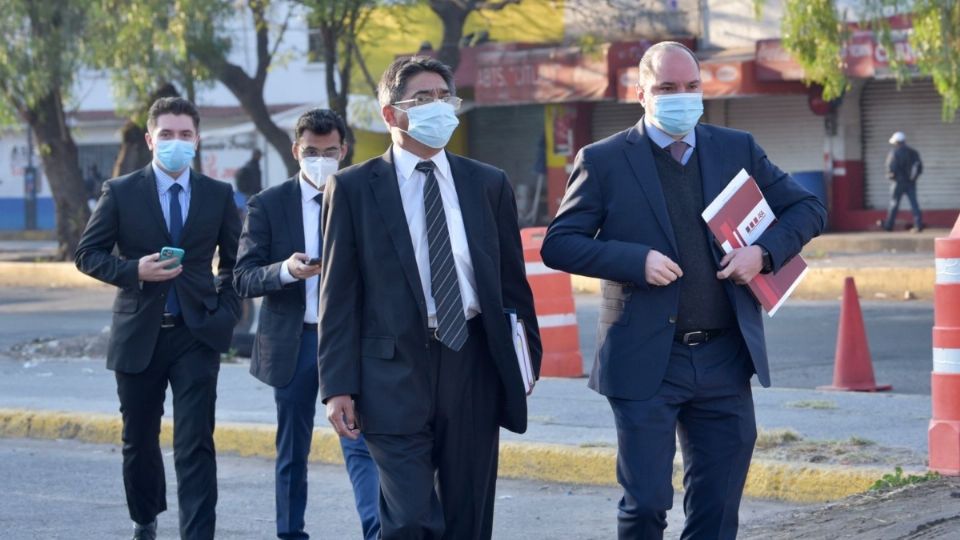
[{"x": 30, "y": 186}]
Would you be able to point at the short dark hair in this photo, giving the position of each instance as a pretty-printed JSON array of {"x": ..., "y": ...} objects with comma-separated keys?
[
  {"x": 172, "y": 105},
  {"x": 321, "y": 122},
  {"x": 393, "y": 82},
  {"x": 654, "y": 52}
]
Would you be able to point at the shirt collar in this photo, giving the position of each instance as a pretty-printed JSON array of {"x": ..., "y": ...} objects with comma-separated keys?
[
  {"x": 662, "y": 139},
  {"x": 307, "y": 191},
  {"x": 406, "y": 162},
  {"x": 165, "y": 181}
]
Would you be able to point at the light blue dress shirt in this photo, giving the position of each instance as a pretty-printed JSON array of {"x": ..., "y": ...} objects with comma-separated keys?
[
  {"x": 164, "y": 182},
  {"x": 664, "y": 140}
]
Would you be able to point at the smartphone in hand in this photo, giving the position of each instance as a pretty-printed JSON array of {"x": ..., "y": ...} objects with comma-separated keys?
[
  {"x": 175, "y": 255},
  {"x": 314, "y": 261}
]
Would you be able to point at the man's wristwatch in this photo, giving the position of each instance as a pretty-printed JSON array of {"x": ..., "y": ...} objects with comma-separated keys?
[{"x": 767, "y": 261}]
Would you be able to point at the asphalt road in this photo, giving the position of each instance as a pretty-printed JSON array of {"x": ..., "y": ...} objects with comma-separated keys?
[
  {"x": 65, "y": 489},
  {"x": 801, "y": 338}
]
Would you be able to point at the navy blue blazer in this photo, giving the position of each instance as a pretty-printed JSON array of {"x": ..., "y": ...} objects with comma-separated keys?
[
  {"x": 271, "y": 233},
  {"x": 614, "y": 213}
]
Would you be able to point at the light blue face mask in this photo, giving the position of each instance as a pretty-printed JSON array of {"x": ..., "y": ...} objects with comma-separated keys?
[
  {"x": 432, "y": 124},
  {"x": 175, "y": 155},
  {"x": 677, "y": 114}
]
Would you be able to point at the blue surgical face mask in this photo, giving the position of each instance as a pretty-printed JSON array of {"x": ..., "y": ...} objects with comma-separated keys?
[
  {"x": 432, "y": 124},
  {"x": 677, "y": 114},
  {"x": 175, "y": 155}
]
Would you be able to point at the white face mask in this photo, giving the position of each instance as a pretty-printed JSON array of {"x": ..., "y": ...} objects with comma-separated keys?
[{"x": 318, "y": 168}]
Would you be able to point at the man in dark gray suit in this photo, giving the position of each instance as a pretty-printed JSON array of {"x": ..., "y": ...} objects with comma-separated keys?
[
  {"x": 679, "y": 335},
  {"x": 170, "y": 321},
  {"x": 279, "y": 260},
  {"x": 421, "y": 256}
]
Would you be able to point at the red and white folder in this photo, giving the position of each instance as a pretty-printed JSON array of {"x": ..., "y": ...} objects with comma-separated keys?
[{"x": 737, "y": 218}]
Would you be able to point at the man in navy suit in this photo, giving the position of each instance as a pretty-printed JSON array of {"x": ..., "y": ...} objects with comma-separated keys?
[
  {"x": 170, "y": 321},
  {"x": 421, "y": 256},
  {"x": 279, "y": 260},
  {"x": 679, "y": 334}
]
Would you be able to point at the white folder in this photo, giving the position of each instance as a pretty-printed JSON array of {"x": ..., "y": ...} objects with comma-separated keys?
[{"x": 518, "y": 333}]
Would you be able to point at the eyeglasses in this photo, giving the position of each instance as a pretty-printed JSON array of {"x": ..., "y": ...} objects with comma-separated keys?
[
  {"x": 332, "y": 153},
  {"x": 453, "y": 101}
]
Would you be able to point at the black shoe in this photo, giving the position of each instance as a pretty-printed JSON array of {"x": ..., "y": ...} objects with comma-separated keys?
[
  {"x": 882, "y": 225},
  {"x": 145, "y": 532},
  {"x": 917, "y": 229}
]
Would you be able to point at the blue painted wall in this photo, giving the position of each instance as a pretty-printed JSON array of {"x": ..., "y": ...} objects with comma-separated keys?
[{"x": 12, "y": 214}]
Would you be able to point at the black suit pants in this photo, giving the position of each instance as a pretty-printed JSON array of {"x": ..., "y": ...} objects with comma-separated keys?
[
  {"x": 191, "y": 368},
  {"x": 440, "y": 482}
]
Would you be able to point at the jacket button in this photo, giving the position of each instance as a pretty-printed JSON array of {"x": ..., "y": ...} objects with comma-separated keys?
[{"x": 672, "y": 319}]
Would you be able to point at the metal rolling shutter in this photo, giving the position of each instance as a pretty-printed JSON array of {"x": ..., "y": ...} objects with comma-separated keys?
[
  {"x": 914, "y": 110},
  {"x": 508, "y": 138},
  {"x": 784, "y": 127},
  {"x": 610, "y": 117}
]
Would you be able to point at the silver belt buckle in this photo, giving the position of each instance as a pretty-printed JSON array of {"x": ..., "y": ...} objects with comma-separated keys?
[
  {"x": 435, "y": 333},
  {"x": 695, "y": 338},
  {"x": 167, "y": 321}
]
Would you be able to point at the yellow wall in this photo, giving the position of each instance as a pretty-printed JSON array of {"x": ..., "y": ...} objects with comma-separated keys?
[{"x": 398, "y": 30}]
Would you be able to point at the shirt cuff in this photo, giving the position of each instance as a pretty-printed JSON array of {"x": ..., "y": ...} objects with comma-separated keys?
[{"x": 286, "y": 277}]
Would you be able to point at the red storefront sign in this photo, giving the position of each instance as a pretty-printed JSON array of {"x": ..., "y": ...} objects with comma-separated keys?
[
  {"x": 548, "y": 75},
  {"x": 862, "y": 56}
]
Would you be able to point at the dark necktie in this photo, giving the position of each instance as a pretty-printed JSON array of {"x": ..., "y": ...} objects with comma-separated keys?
[
  {"x": 319, "y": 198},
  {"x": 451, "y": 325},
  {"x": 677, "y": 149},
  {"x": 176, "y": 227}
]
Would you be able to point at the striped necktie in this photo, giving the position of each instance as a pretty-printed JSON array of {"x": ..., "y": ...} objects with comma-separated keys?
[{"x": 451, "y": 324}]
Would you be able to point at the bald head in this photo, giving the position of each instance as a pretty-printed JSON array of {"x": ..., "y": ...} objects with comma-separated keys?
[{"x": 661, "y": 53}]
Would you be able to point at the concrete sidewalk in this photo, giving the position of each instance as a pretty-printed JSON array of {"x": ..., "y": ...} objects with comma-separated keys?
[{"x": 571, "y": 437}]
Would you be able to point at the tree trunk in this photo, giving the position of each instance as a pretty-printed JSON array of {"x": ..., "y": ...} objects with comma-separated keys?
[
  {"x": 58, "y": 154},
  {"x": 453, "y": 17},
  {"x": 251, "y": 99},
  {"x": 134, "y": 153}
]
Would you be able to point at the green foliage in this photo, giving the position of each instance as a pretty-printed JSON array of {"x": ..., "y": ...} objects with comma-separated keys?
[
  {"x": 815, "y": 32},
  {"x": 897, "y": 479},
  {"x": 41, "y": 51}
]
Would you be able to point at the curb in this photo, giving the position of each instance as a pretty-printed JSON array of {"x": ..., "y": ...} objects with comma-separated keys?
[
  {"x": 45, "y": 274},
  {"x": 826, "y": 283},
  {"x": 791, "y": 482}
]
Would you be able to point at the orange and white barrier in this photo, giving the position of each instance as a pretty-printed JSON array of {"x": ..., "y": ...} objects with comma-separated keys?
[
  {"x": 556, "y": 312},
  {"x": 944, "y": 432}
]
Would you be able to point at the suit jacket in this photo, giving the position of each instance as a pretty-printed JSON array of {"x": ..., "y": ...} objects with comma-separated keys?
[
  {"x": 614, "y": 213},
  {"x": 272, "y": 232},
  {"x": 128, "y": 217},
  {"x": 373, "y": 316}
]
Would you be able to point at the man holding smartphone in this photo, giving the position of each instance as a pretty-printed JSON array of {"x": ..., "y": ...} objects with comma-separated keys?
[
  {"x": 279, "y": 259},
  {"x": 171, "y": 318}
]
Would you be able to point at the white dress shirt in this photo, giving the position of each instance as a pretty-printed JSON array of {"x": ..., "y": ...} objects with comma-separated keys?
[
  {"x": 164, "y": 183},
  {"x": 311, "y": 241},
  {"x": 663, "y": 139},
  {"x": 411, "y": 192}
]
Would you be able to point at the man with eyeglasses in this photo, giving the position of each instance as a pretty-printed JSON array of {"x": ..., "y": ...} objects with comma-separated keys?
[
  {"x": 421, "y": 256},
  {"x": 279, "y": 259}
]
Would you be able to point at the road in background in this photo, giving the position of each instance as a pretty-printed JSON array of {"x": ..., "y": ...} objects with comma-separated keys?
[{"x": 66, "y": 489}]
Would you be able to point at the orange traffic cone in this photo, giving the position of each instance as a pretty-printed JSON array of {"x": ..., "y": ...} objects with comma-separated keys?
[{"x": 852, "y": 369}]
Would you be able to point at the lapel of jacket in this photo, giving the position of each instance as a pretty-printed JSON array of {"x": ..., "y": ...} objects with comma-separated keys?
[
  {"x": 148, "y": 185},
  {"x": 640, "y": 157},
  {"x": 470, "y": 196},
  {"x": 386, "y": 192},
  {"x": 712, "y": 159},
  {"x": 293, "y": 209},
  {"x": 198, "y": 190}
]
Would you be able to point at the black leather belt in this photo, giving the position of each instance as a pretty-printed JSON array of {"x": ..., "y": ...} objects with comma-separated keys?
[
  {"x": 474, "y": 326},
  {"x": 168, "y": 320},
  {"x": 697, "y": 337},
  {"x": 310, "y": 326}
]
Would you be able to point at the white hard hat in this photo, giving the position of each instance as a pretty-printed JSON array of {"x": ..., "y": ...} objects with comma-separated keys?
[{"x": 897, "y": 137}]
